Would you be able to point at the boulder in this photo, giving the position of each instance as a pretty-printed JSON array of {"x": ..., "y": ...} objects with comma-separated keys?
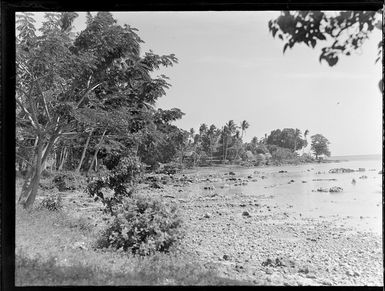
[
  {"x": 322, "y": 190},
  {"x": 340, "y": 170},
  {"x": 336, "y": 189},
  {"x": 156, "y": 185}
]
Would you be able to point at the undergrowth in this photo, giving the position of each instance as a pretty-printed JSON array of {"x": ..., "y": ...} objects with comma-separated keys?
[{"x": 47, "y": 254}]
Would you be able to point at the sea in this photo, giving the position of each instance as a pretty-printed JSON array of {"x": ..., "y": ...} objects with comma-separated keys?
[{"x": 358, "y": 206}]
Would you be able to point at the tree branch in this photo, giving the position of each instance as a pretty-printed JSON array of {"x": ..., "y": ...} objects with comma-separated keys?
[
  {"x": 28, "y": 114},
  {"x": 43, "y": 99},
  {"x": 86, "y": 93}
]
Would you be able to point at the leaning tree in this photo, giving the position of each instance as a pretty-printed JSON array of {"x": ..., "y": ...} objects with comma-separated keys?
[{"x": 97, "y": 78}]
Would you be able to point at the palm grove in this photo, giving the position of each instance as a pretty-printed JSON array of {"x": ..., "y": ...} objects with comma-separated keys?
[{"x": 86, "y": 102}]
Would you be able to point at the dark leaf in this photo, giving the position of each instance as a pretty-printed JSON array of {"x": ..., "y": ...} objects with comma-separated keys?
[
  {"x": 313, "y": 42},
  {"x": 285, "y": 47}
]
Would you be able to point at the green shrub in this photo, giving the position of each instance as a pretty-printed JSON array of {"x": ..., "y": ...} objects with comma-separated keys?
[
  {"x": 123, "y": 173},
  {"x": 143, "y": 226},
  {"x": 52, "y": 203}
]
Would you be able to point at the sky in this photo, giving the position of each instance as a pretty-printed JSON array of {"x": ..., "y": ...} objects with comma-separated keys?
[{"x": 230, "y": 67}]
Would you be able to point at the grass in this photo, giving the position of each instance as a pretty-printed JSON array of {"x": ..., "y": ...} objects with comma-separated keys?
[{"x": 54, "y": 248}]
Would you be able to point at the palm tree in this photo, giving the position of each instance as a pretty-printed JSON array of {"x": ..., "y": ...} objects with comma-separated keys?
[
  {"x": 305, "y": 136},
  {"x": 229, "y": 129},
  {"x": 297, "y": 135},
  {"x": 203, "y": 128},
  {"x": 225, "y": 132},
  {"x": 212, "y": 133},
  {"x": 192, "y": 132},
  {"x": 244, "y": 125}
]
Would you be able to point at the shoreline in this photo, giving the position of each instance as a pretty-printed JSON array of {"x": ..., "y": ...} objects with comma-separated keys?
[{"x": 251, "y": 238}]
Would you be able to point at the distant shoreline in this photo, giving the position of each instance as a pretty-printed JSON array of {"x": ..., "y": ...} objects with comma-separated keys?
[{"x": 354, "y": 157}]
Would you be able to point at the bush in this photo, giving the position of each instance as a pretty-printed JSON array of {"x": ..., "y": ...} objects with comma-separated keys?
[
  {"x": 123, "y": 173},
  {"x": 143, "y": 226},
  {"x": 68, "y": 181},
  {"x": 52, "y": 203},
  {"x": 306, "y": 158},
  {"x": 282, "y": 154}
]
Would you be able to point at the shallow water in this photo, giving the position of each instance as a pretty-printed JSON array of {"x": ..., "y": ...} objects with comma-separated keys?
[{"x": 359, "y": 205}]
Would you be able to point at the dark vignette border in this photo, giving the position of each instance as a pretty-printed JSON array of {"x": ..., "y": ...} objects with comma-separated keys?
[{"x": 7, "y": 102}]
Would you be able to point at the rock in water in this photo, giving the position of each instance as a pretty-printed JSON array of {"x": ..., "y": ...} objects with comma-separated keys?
[
  {"x": 322, "y": 190},
  {"x": 245, "y": 213},
  {"x": 336, "y": 189},
  {"x": 340, "y": 170}
]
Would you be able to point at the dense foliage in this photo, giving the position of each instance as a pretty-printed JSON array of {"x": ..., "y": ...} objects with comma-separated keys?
[
  {"x": 81, "y": 96},
  {"x": 143, "y": 226},
  {"x": 289, "y": 138},
  {"x": 120, "y": 180},
  {"x": 320, "y": 145}
]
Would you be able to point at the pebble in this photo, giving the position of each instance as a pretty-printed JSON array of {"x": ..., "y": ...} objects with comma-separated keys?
[{"x": 311, "y": 276}]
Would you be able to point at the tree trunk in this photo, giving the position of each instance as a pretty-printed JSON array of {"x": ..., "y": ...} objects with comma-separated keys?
[
  {"x": 84, "y": 152},
  {"x": 211, "y": 152},
  {"x": 223, "y": 149},
  {"x": 182, "y": 154},
  {"x": 63, "y": 158},
  {"x": 96, "y": 152},
  {"x": 31, "y": 185}
]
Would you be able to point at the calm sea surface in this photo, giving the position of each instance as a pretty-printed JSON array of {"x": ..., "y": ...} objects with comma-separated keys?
[{"x": 358, "y": 206}]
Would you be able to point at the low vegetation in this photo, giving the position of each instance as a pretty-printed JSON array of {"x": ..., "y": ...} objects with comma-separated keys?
[
  {"x": 54, "y": 248},
  {"x": 144, "y": 226}
]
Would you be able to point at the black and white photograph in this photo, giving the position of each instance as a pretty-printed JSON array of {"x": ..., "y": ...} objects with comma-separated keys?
[{"x": 198, "y": 148}]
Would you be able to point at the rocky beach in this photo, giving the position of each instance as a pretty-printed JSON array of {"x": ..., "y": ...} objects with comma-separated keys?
[{"x": 260, "y": 238}]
